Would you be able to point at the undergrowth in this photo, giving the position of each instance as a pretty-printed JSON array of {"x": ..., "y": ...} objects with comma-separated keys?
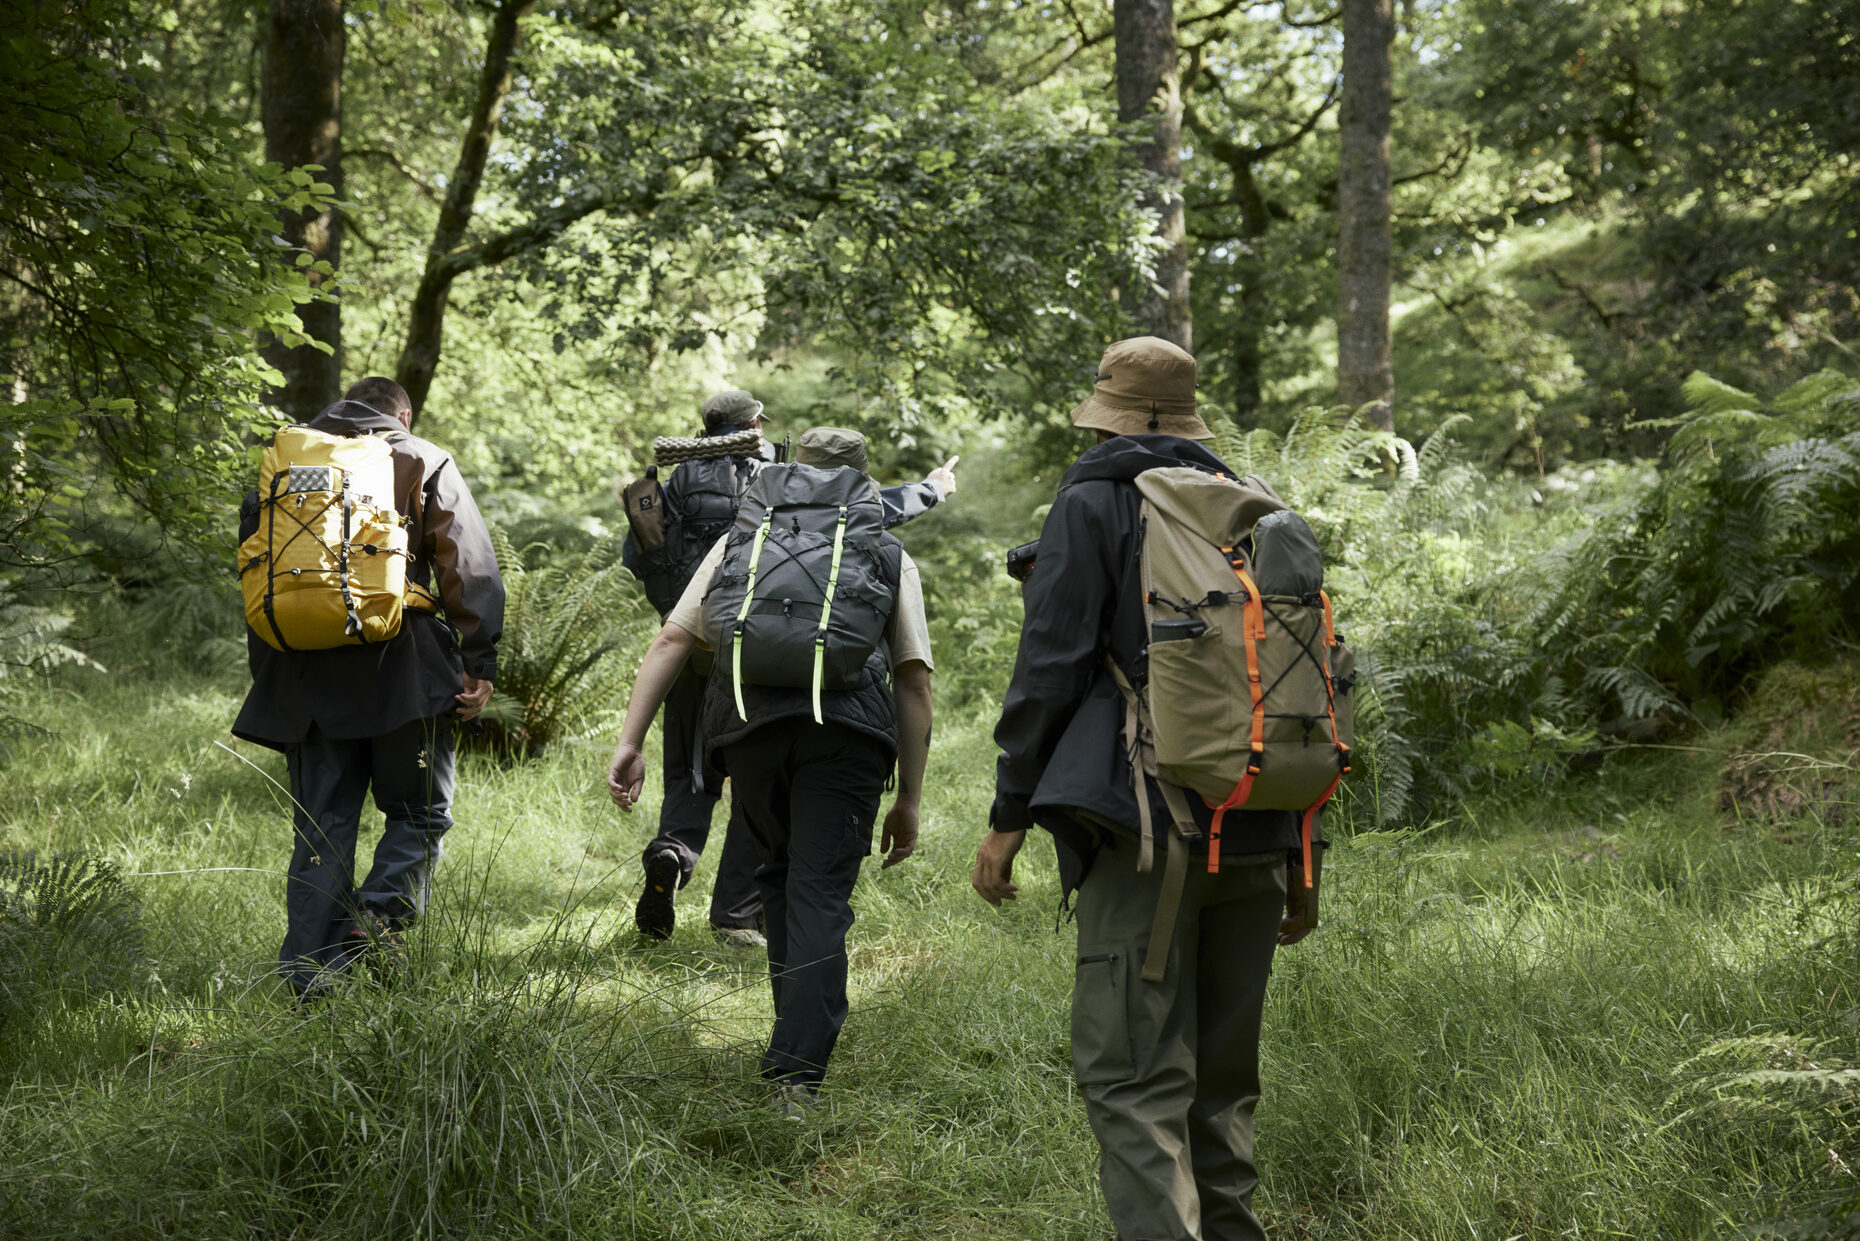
[{"x": 1551, "y": 1015}]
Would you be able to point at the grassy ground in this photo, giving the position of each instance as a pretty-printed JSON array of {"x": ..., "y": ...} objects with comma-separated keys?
[{"x": 1535, "y": 1021}]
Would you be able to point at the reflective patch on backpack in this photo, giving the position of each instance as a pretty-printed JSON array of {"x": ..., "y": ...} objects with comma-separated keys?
[{"x": 308, "y": 478}]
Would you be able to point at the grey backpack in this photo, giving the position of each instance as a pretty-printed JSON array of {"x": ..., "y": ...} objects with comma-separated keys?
[{"x": 801, "y": 600}]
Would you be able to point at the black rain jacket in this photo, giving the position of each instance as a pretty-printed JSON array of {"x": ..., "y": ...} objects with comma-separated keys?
[
  {"x": 1062, "y": 764},
  {"x": 352, "y": 692}
]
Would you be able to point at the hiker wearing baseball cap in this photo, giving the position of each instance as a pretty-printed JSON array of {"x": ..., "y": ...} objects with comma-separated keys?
[
  {"x": 700, "y": 502},
  {"x": 1168, "y": 1066},
  {"x": 821, "y": 683}
]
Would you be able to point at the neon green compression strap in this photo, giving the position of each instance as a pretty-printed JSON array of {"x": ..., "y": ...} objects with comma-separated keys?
[
  {"x": 826, "y": 610},
  {"x": 749, "y": 594}
]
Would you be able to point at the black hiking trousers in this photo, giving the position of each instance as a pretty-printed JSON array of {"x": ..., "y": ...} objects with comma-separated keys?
[
  {"x": 689, "y": 804},
  {"x": 809, "y": 794},
  {"x": 411, "y": 773}
]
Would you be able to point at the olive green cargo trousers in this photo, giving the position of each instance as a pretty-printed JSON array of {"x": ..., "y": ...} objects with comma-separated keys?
[{"x": 1170, "y": 1070}]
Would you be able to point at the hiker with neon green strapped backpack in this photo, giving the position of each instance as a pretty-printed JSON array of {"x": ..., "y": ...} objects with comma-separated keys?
[
  {"x": 1179, "y": 714},
  {"x": 671, "y": 528},
  {"x": 820, "y": 683}
]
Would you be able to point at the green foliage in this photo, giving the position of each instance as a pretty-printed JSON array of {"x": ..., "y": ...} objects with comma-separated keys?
[
  {"x": 30, "y": 647},
  {"x": 1745, "y": 553},
  {"x": 574, "y": 629},
  {"x": 1487, "y": 1031},
  {"x": 69, "y": 927},
  {"x": 137, "y": 265}
]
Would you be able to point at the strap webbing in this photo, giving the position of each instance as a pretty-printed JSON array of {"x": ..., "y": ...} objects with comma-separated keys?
[
  {"x": 354, "y": 626},
  {"x": 742, "y": 614},
  {"x": 270, "y": 519},
  {"x": 1133, "y": 747},
  {"x": 1310, "y": 820},
  {"x": 1168, "y": 905},
  {"x": 1253, "y": 627},
  {"x": 826, "y": 610}
]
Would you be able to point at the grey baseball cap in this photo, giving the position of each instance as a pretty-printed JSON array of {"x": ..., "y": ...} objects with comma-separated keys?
[{"x": 734, "y": 408}]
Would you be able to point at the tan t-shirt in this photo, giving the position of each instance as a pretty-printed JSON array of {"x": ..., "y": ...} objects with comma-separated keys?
[{"x": 909, "y": 634}]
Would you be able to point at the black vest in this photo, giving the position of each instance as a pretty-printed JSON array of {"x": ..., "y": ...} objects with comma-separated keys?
[{"x": 868, "y": 707}]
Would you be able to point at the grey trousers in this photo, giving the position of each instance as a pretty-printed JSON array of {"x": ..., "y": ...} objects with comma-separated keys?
[
  {"x": 411, "y": 773},
  {"x": 1170, "y": 1070}
]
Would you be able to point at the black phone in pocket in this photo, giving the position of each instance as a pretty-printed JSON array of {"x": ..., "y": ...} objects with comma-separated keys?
[{"x": 1177, "y": 630}]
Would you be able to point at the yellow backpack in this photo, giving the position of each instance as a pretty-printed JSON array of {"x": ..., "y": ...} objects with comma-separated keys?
[{"x": 327, "y": 566}]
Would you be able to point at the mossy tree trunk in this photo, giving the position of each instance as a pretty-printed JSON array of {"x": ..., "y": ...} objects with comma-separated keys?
[
  {"x": 1365, "y": 368},
  {"x": 301, "y": 91},
  {"x": 1149, "y": 88}
]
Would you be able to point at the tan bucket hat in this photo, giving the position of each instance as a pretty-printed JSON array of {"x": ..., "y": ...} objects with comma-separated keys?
[{"x": 1146, "y": 386}]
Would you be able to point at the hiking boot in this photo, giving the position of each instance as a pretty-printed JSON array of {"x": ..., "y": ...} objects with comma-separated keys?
[
  {"x": 376, "y": 942},
  {"x": 794, "y": 1101},
  {"x": 653, "y": 914},
  {"x": 743, "y": 938}
]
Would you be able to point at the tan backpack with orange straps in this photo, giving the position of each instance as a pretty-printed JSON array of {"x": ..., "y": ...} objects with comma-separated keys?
[{"x": 1247, "y": 700}]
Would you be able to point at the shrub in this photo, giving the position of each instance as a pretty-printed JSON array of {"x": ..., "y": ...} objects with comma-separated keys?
[
  {"x": 1746, "y": 552},
  {"x": 572, "y": 632},
  {"x": 68, "y": 924}
]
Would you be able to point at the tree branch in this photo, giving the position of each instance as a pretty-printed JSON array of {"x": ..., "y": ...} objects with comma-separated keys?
[{"x": 387, "y": 156}]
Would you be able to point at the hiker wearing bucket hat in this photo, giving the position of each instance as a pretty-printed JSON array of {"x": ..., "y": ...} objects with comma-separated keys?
[
  {"x": 806, "y": 582},
  {"x": 700, "y": 501},
  {"x": 1168, "y": 1067}
]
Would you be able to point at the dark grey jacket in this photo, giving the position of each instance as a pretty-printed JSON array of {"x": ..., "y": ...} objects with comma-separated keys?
[
  {"x": 1062, "y": 764},
  {"x": 366, "y": 691}
]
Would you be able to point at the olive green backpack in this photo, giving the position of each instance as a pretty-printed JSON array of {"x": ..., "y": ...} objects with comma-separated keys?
[{"x": 1247, "y": 700}]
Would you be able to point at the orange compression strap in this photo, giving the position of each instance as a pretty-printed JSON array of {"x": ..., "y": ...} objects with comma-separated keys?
[
  {"x": 1310, "y": 817},
  {"x": 1330, "y": 706},
  {"x": 1253, "y": 625}
]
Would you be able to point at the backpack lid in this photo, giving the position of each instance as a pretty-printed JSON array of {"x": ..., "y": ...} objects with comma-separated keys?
[
  {"x": 1221, "y": 510},
  {"x": 795, "y": 485}
]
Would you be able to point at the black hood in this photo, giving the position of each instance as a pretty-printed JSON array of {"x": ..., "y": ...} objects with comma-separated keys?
[
  {"x": 1123, "y": 457},
  {"x": 356, "y": 418}
]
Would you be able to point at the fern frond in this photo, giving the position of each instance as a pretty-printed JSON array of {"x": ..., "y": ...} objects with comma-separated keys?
[{"x": 1707, "y": 395}]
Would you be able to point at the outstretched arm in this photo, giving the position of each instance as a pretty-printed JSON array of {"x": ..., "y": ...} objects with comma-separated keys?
[
  {"x": 667, "y": 654},
  {"x": 908, "y": 501}
]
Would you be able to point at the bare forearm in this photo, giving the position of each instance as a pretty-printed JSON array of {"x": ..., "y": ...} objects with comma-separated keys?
[
  {"x": 667, "y": 654},
  {"x": 915, "y": 715}
]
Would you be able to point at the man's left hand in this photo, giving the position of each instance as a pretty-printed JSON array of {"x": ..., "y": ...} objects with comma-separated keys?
[
  {"x": 900, "y": 838},
  {"x": 1293, "y": 927},
  {"x": 943, "y": 478},
  {"x": 472, "y": 701}
]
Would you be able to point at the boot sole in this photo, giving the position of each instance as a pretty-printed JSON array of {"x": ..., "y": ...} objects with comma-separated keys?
[{"x": 653, "y": 915}]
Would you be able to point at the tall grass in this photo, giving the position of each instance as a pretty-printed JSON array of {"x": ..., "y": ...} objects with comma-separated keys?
[{"x": 1498, "y": 1033}]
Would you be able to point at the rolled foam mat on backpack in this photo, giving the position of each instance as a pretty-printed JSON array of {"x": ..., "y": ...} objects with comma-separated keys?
[{"x": 671, "y": 449}]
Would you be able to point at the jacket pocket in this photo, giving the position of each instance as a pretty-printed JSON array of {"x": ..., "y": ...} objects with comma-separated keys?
[{"x": 1101, "y": 1050}]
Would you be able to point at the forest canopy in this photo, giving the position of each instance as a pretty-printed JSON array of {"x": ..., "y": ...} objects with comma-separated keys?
[{"x": 933, "y": 203}]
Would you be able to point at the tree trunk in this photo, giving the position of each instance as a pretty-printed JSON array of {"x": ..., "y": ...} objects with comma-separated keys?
[
  {"x": 302, "y": 109},
  {"x": 1149, "y": 87},
  {"x": 1365, "y": 368},
  {"x": 1255, "y": 220},
  {"x": 419, "y": 357}
]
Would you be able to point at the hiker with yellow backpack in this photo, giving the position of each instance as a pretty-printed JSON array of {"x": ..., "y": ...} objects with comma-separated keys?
[
  {"x": 373, "y": 608},
  {"x": 1179, "y": 714}
]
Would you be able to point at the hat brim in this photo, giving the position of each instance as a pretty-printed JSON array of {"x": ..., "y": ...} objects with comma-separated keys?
[{"x": 1099, "y": 416}]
